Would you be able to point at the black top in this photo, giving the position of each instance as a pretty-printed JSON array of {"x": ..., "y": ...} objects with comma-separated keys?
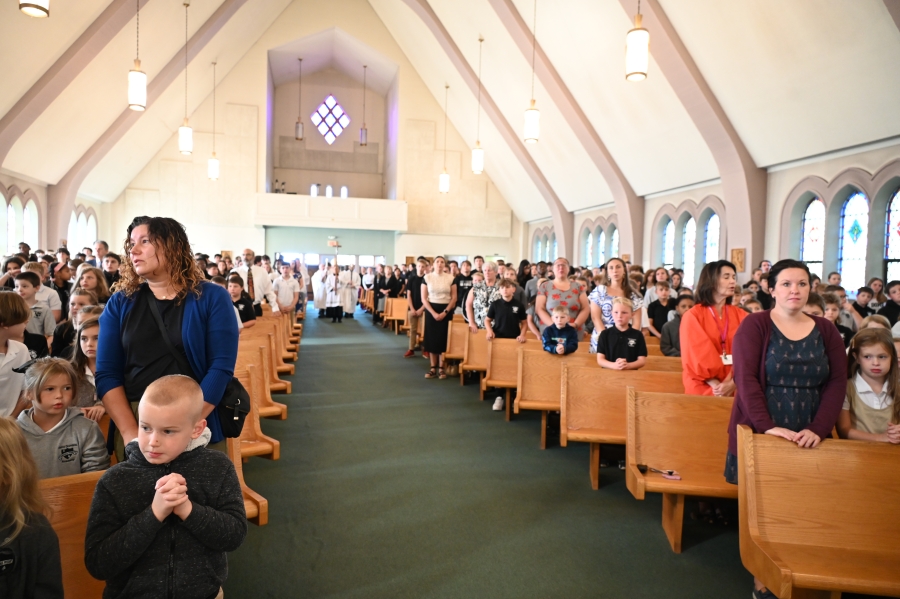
[
  {"x": 463, "y": 287},
  {"x": 615, "y": 344},
  {"x": 63, "y": 337},
  {"x": 63, "y": 292},
  {"x": 146, "y": 358},
  {"x": 113, "y": 277},
  {"x": 393, "y": 286},
  {"x": 863, "y": 311},
  {"x": 846, "y": 334},
  {"x": 891, "y": 311},
  {"x": 36, "y": 571},
  {"x": 506, "y": 317},
  {"x": 765, "y": 300},
  {"x": 414, "y": 289},
  {"x": 37, "y": 345},
  {"x": 244, "y": 307},
  {"x": 659, "y": 313}
]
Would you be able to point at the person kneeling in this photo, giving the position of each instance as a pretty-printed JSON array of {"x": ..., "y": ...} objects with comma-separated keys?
[
  {"x": 172, "y": 501},
  {"x": 505, "y": 320},
  {"x": 620, "y": 347}
]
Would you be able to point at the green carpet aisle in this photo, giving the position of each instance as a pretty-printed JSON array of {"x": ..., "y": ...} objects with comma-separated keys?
[{"x": 391, "y": 485}]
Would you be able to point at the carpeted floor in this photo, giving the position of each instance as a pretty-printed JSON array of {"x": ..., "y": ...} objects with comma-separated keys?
[{"x": 390, "y": 485}]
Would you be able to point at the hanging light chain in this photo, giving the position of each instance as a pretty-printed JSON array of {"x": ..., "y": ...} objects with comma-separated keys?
[
  {"x": 478, "y": 117},
  {"x": 534, "y": 46},
  {"x": 446, "y": 95},
  {"x": 300, "y": 90},
  {"x": 365, "y": 68},
  {"x": 214, "y": 109},
  {"x": 138, "y": 43},
  {"x": 186, "y": 5}
]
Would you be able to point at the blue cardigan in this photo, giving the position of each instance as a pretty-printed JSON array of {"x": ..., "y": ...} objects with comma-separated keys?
[{"x": 209, "y": 334}]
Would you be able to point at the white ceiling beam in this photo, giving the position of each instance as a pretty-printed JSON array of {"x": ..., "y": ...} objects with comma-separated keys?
[
  {"x": 563, "y": 220},
  {"x": 66, "y": 68},
  {"x": 743, "y": 183},
  {"x": 61, "y": 197},
  {"x": 629, "y": 207}
]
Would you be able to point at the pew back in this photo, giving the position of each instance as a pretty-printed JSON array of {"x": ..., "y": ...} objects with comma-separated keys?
[
  {"x": 456, "y": 339},
  {"x": 538, "y": 385}
]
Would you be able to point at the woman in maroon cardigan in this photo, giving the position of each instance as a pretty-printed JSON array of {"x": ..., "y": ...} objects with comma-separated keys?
[{"x": 790, "y": 370}]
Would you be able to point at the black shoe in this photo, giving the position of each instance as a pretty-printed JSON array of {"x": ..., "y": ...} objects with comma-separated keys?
[{"x": 766, "y": 594}]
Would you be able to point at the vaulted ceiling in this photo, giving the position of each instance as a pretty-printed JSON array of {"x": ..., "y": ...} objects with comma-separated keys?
[{"x": 794, "y": 79}]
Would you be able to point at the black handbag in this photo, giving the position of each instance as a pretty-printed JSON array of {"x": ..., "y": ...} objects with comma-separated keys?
[{"x": 235, "y": 404}]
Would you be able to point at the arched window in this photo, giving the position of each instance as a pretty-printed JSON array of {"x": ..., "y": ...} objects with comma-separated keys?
[
  {"x": 3, "y": 226},
  {"x": 537, "y": 249},
  {"x": 689, "y": 250},
  {"x": 711, "y": 239},
  {"x": 314, "y": 190},
  {"x": 812, "y": 238},
  {"x": 553, "y": 254},
  {"x": 614, "y": 243},
  {"x": 72, "y": 234},
  {"x": 854, "y": 239},
  {"x": 30, "y": 224},
  {"x": 892, "y": 240},
  {"x": 345, "y": 193},
  {"x": 668, "y": 245},
  {"x": 15, "y": 230},
  {"x": 588, "y": 258},
  {"x": 329, "y": 192},
  {"x": 601, "y": 246},
  {"x": 545, "y": 241},
  {"x": 90, "y": 231}
]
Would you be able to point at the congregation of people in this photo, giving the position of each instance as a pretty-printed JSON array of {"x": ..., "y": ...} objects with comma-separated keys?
[{"x": 149, "y": 339}]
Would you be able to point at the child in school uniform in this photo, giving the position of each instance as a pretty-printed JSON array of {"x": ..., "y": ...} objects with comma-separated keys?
[
  {"x": 41, "y": 321},
  {"x": 670, "y": 342},
  {"x": 872, "y": 406},
  {"x": 506, "y": 319},
  {"x": 833, "y": 313},
  {"x": 44, "y": 293},
  {"x": 241, "y": 301},
  {"x": 659, "y": 309},
  {"x": 14, "y": 315},
  {"x": 84, "y": 363},
  {"x": 172, "y": 501},
  {"x": 620, "y": 347},
  {"x": 61, "y": 439},
  {"x": 561, "y": 338},
  {"x": 287, "y": 289}
]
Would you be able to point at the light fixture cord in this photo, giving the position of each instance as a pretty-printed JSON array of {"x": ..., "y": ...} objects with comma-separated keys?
[
  {"x": 365, "y": 67},
  {"x": 138, "y": 43},
  {"x": 639, "y": 7},
  {"x": 300, "y": 90},
  {"x": 185, "y": 58},
  {"x": 534, "y": 46},
  {"x": 214, "y": 109},
  {"x": 446, "y": 95},
  {"x": 478, "y": 117}
]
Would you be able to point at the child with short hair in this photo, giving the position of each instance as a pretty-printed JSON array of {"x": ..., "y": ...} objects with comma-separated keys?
[
  {"x": 670, "y": 342},
  {"x": 14, "y": 315},
  {"x": 561, "y": 338},
  {"x": 172, "y": 501},
  {"x": 41, "y": 321},
  {"x": 287, "y": 289},
  {"x": 61, "y": 439},
  {"x": 752, "y": 306},
  {"x": 84, "y": 363},
  {"x": 221, "y": 282},
  {"x": 111, "y": 263},
  {"x": 875, "y": 321},
  {"x": 833, "y": 312},
  {"x": 44, "y": 293},
  {"x": 746, "y": 296},
  {"x": 815, "y": 305},
  {"x": 506, "y": 316},
  {"x": 242, "y": 303},
  {"x": 27, "y": 539},
  {"x": 861, "y": 304},
  {"x": 620, "y": 347},
  {"x": 891, "y": 307},
  {"x": 659, "y": 309},
  {"x": 872, "y": 406}
]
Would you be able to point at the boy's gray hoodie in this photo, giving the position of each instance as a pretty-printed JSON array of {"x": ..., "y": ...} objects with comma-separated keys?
[{"x": 76, "y": 445}]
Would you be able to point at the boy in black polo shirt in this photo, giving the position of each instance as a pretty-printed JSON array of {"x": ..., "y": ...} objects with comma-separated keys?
[
  {"x": 658, "y": 310},
  {"x": 620, "y": 347},
  {"x": 891, "y": 308},
  {"x": 241, "y": 301},
  {"x": 506, "y": 317},
  {"x": 414, "y": 307},
  {"x": 861, "y": 304}
]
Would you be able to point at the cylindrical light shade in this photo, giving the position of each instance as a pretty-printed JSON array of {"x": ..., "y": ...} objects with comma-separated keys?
[
  {"x": 212, "y": 167},
  {"x": 137, "y": 87},
  {"x": 363, "y": 136},
  {"x": 35, "y": 8},
  {"x": 477, "y": 159},
  {"x": 298, "y": 130},
  {"x": 637, "y": 52},
  {"x": 444, "y": 182},
  {"x": 185, "y": 138},
  {"x": 532, "y": 124}
]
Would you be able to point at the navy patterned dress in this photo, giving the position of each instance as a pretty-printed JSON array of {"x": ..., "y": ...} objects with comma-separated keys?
[{"x": 796, "y": 371}]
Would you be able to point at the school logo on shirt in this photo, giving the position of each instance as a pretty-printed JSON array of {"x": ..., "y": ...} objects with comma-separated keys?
[
  {"x": 515, "y": 309},
  {"x": 67, "y": 453},
  {"x": 632, "y": 343}
]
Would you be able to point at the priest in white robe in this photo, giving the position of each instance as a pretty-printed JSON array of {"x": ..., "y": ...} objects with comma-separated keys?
[
  {"x": 318, "y": 285},
  {"x": 333, "y": 288},
  {"x": 349, "y": 292}
]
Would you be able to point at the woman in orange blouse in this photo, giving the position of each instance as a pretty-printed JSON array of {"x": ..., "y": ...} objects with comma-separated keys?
[{"x": 707, "y": 332}]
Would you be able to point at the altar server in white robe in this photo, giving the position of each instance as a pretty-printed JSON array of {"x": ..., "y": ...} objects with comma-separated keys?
[
  {"x": 349, "y": 294},
  {"x": 318, "y": 285},
  {"x": 333, "y": 288}
]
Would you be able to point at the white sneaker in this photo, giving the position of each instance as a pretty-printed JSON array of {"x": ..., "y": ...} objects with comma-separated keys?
[{"x": 498, "y": 404}]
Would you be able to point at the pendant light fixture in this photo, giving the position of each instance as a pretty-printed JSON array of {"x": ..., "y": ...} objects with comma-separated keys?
[
  {"x": 477, "y": 152},
  {"x": 137, "y": 79},
  {"x": 185, "y": 133},
  {"x": 444, "y": 179},
  {"x": 35, "y": 8},
  {"x": 212, "y": 165},
  {"x": 533, "y": 115},
  {"x": 298, "y": 126},
  {"x": 364, "y": 133},
  {"x": 637, "y": 50}
]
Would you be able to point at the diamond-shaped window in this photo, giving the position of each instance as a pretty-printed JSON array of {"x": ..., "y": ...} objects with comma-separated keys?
[{"x": 330, "y": 119}]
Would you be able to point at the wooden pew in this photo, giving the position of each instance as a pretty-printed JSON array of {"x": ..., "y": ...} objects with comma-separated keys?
[
  {"x": 256, "y": 506},
  {"x": 663, "y": 364},
  {"x": 474, "y": 358},
  {"x": 818, "y": 522},
  {"x": 593, "y": 407},
  {"x": 502, "y": 366},
  {"x": 456, "y": 340},
  {"x": 276, "y": 385},
  {"x": 654, "y": 350},
  {"x": 253, "y": 441},
  {"x": 369, "y": 301},
  {"x": 267, "y": 407},
  {"x": 70, "y": 498},
  {"x": 651, "y": 340},
  {"x": 538, "y": 381},
  {"x": 686, "y": 433}
]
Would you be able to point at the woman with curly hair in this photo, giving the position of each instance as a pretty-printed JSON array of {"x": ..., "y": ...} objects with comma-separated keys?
[{"x": 160, "y": 275}]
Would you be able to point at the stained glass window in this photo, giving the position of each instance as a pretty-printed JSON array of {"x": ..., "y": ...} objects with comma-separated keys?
[
  {"x": 601, "y": 246},
  {"x": 689, "y": 251},
  {"x": 668, "y": 245},
  {"x": 330, "y": 119},
  {"x": 892, "y": 240},
  {"x": 589, "y": 249},
  {"x": 812, "y": 240},
  {"x": 614, "y": 243},
  {"x": 711, "y": 243},
  {"x": 537, "y": 250},
  {"x": 854, "y": 239}
]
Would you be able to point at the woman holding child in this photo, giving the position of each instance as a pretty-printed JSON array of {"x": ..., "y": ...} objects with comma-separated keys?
[
  {"x": 162, "y": 288},
  {"x": 562, "y": 292},
  {"x": 616, "y": 284}
]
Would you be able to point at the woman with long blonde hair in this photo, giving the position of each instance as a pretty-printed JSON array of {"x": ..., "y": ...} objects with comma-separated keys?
[{"x": 25, "y": 533}]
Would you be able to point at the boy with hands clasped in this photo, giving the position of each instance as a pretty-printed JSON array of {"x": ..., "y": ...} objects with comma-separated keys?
[
  {"x": 161, "y": 521},
  {"x": 620, "y": 347},
  {"x": 561, "y": 338}
]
